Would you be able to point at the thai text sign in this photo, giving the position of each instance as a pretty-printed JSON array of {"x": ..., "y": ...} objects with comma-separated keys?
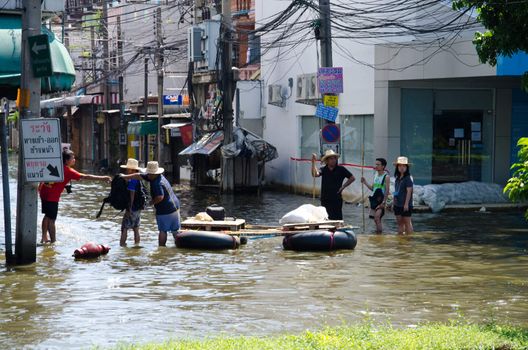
[
  {"x": 328, "y": 113},
  {"x": 330, "y": 80},
  {"x": 331, "y": 101},
  {"x": 41, "y": 144}
]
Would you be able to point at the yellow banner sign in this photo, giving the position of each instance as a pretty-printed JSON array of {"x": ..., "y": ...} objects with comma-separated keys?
[{"x": 331, "y": 101}]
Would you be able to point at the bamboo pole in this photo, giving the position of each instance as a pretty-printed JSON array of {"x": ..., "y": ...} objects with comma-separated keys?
[{"x": 362, "y": 187}]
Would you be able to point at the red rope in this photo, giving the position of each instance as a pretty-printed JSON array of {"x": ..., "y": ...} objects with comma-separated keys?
[{"x": 344, "y": 164}]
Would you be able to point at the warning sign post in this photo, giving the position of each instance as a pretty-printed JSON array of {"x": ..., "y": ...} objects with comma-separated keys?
[{"x": 41, "y": 143}]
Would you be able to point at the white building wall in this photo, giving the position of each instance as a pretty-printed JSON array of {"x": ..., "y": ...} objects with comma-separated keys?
[{"x": 282, "y": 124}]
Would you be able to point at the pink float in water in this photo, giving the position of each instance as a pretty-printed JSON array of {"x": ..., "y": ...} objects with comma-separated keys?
[{"x": 90, "y": 250}]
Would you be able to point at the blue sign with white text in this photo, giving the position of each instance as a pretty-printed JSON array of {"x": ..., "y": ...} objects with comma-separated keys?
[
  {"x": 173, "y": 100},
  {"x": 328, "y": 113}
]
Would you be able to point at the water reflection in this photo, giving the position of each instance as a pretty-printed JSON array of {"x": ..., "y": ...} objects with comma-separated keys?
[{"x": 461, "y": 263}]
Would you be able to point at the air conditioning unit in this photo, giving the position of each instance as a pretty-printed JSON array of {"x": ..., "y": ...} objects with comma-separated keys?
[
  {"x": 301, "y": 88},
  {"x": 313, "y": 86},
  {"x": 274, "y": 95},
  {"x": 194, "y": 42}
]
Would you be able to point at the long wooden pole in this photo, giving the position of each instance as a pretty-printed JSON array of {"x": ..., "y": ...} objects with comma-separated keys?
[
  {"x": 362, "y": 189},
  {"x": 362, "y": 167}
]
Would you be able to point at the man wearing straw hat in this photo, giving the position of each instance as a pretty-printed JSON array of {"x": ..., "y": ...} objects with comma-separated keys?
[
  {"x": 132, "y": 216},
  {"x": 164, "y": 199},
  {"x": 332, "y": 176}
]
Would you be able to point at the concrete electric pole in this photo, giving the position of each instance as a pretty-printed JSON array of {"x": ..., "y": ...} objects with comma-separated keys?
[
  {"x": 26, "y": 219},
  {"x": 228, "y": 172},
  {"x": 122, "y": 131},
  {"x": 159, "y": 64},
  {"x": 326, "y": 33}
]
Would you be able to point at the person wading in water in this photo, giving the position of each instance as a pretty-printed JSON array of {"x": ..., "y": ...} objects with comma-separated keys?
[{"x": 332, "y": 176}]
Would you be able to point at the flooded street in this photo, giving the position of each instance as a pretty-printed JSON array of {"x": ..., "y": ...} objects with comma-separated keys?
[{"x": 469, "y": 263}]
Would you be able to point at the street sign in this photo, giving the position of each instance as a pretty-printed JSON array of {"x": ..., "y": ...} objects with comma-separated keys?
[
  {"x": 42, "y": 150},
  {"x": 330, "y": 133},
  {"x": 330, "y": 80},
  {"x": 331, "y": 101},
  {"x": 328, "y": 113},
  {"x": 39, "y": 51}
]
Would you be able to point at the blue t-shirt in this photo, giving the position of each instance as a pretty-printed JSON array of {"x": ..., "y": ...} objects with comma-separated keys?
[
  {"x": 400, "y": 191},
  {"x": 135, "y": 186},
  {"x": 161, "y": 187}
]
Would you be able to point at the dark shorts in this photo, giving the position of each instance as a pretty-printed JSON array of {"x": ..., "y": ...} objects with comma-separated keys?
[
  {"x": 373, "y": 212},
  {"x": 399, "y": 212},
  {"x": 50, "y": 209},
  {"x": 334, "y": 208}
]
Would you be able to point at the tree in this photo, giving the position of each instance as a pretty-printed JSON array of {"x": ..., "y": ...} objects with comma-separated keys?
[
  {"x": 517, "y": 186},
  {"x": 506, "y": 23}
]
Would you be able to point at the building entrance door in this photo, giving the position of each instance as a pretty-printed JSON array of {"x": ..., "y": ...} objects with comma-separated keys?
[{"x": 457, "y": 146}]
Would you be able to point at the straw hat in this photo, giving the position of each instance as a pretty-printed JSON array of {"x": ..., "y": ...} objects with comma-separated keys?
[
  {"x": 153, "y": 168},
  {"x": 132, "y": 164},
  {"x": 329, "y": 153},
  {"x": 402, "y": 161}
]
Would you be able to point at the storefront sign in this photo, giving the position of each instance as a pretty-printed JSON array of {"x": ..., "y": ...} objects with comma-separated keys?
[
  {"x": 330, "y": 80},
  {"x": 42, "y": 150},
  {"x": 173, "y": 100},
  {"x": 331, "y": 101},
  {"x": 328, "y": 113}
]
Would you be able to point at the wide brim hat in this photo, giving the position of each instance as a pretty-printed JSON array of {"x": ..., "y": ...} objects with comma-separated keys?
[
  {"x": 329, "y": 153},
  {"x": 153, "y": 168},
  {"x": 132, "y": 164},
  {"x": 402, "y": 161}
]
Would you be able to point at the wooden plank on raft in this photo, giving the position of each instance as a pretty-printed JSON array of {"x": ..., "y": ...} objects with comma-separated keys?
[
  {"x": 330, "y": 224},
  {"x": 230, "y": 225}
]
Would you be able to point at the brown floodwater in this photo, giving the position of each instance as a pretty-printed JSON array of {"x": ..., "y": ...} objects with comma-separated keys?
[{"x": 468, "y": 264}]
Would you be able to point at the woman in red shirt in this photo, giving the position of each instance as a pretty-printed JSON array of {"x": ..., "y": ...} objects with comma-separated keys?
[{"x": 50, "y": 193}]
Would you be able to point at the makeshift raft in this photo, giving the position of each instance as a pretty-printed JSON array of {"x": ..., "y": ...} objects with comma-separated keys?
[
  {"x": 239, "y": 227},
  {"x": 320, "y": 240},
  {"x": 207, "y": 240}
]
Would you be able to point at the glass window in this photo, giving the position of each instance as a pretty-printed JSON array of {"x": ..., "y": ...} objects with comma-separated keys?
[
  {"x": 357, "y": 135},
  {"x": 309, "y": 136}
]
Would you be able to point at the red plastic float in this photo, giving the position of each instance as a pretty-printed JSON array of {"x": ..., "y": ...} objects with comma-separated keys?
[{"x": 90, "y": 250}]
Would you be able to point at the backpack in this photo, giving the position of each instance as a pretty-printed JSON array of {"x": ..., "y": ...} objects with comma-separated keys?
[
  {"x": 377, "y": 196},
  {"x": 140, "y": 197},
  {"x": 119, "y": 197}
]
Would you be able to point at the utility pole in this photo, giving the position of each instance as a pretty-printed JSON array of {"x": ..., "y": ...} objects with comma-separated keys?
[
  {"x": 93, "y": 56},
  {"x": 145, "y": 110},
  {"x": 26, "y": 219},
  {"x": 106, "y": 72},
  {"x": 326, "y": 33},
  {"x": 159, "y": 58},
  {"x": 228, "y": 172},
  {"x": 122, "y": 133},
  {"x": 5, "y": 183}
]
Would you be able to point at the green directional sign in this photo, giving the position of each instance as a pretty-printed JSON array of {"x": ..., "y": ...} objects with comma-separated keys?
[{"x": 39, "y": 51}]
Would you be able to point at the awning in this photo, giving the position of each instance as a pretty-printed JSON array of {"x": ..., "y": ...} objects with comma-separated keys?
[
  {"x": 206, "y": 145},
  {"x": 142, "y": 127},
  {"x": 174, "y": 125},
  {"x": 11, "y": 37},
  {"x": 171, "y": 116}
]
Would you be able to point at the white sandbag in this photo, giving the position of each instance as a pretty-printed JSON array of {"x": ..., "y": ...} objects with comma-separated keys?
[
  {"x": 306, "y": 213},
  {"x": 471, "y": 192}
]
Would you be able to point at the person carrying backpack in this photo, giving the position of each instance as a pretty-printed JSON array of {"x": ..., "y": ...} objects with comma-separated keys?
[
  {"x": 135, "y": 203},
  {"x": 164, "y": 199},
  {"x": 381, "y": 189}
]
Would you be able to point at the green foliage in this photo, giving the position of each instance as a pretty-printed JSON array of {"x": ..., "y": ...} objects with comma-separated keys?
[
  {"x": 517, "y": 186},
  {"x": 433, "y": 336},
  {"x": 506, "y": 30}
]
